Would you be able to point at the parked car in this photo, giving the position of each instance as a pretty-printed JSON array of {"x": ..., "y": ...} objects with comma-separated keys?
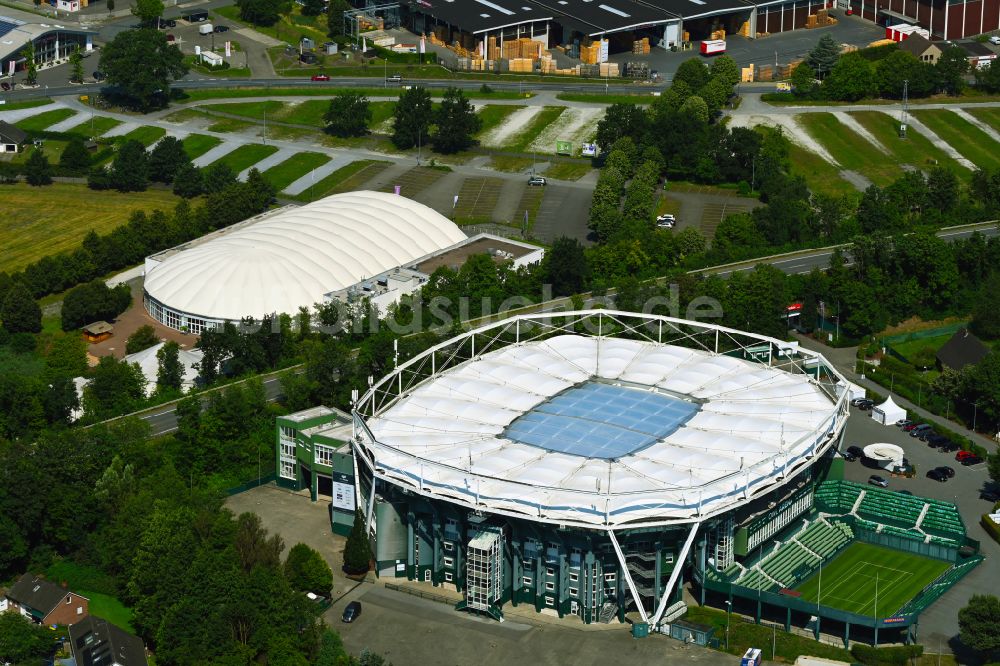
[
  {"x": 222, "y": 28},
  {"x": 351, "y": 612},
  {"x": 949, "y": 446},
  {"x": 947, "y": 471},
  {"x": 903, "y": 422},
  {"x": 98, "y": 76},
  {"x": 320, "y": 77},
  {"x": 937, "y": 475},
  {"x": 934, "y": 440},
  {"x": 995, "y": 40},
  {"x": 855, "y": 401},
  {"x": 4, "y": 85},
  {"x": 877, "y": 480},
  {"x": 866, "y": 404},
  {"x": 911, "y": 425},
  {"x": 536, "y": 181},
  {"x": 971, "y": 460},
  {"x": 920, "y": 430},
  {"x": 395, "y": 78},
  {"x": 170, "y": 37},
  {"x": 848, "y": 456},
  {"x": 856, "y": 451},
  {"x": 962, "y": 455},
  {"x": 990, "y": 495}
]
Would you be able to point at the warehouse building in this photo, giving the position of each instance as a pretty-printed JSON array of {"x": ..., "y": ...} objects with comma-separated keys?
[
  {"x": 53, "y": 43},
  {"x": 346, "y": 247}
]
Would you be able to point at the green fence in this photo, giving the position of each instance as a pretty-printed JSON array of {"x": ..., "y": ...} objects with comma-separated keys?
[
  {"x": 250, "y": 485},
  {"x": 890, "y": 340}
]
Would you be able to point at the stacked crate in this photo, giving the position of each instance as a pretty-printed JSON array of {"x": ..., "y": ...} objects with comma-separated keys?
[
  {"x": 717, "y": 34},
  {"x": 609, "y": 69},
  {"x": 745, "y": 29},
  {"x": 590, "y": 54},
  {"x": 640, "y": 46},
  {"x": 521, "y": 48},
  {"x": 521, "y": 65}
]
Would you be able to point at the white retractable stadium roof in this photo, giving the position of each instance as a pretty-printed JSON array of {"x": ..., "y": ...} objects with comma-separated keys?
[{"x": 602, "y": 431}]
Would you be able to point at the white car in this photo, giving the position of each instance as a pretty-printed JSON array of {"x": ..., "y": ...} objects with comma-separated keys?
[
  {"x": 994, "y": 39},
  {"x": 666, "y": 221}
]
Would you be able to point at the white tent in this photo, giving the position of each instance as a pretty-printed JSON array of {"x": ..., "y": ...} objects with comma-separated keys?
[
  {"x": 888, "y": 412},
  {"x": 150, "y": 366}
]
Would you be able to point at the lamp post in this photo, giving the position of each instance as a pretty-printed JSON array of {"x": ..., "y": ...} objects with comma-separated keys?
[
  {"x": 975, "y": 413},
  {"x": 729, "y": 612}
]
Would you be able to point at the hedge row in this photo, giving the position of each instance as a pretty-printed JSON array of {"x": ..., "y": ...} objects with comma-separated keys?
[{"x": 897, "y": 655}]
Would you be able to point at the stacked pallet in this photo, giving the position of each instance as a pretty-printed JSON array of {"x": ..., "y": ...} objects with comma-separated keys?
[
  {"x": 521, "y": 65},
  {"x": 547, "y": 64},
  {"x": 879, "y": 42},
  {"x": 745, "y": 29},
  {"x": 765, "y": 73},
  {"x": 640, "y": 46},
  {"x": 609, "y": 69},
  {"x": 686, "y": 37},
  {"x": 590, "y": 54},
  {"x": 718, "y": 34},
  {"x": 747, "y": 74},
  {"x": 521, "y": 48}
]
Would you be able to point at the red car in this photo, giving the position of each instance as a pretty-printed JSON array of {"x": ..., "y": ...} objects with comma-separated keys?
[
  {"x": 910, "y": 426},
  {"x": 962, "y": 455},
  {"x": 320, "y": 77}
]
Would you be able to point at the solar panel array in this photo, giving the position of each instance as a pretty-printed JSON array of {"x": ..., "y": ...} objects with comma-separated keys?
[
  {"x": 598, "y": 420},
  {"x": 7, "y": 24}
]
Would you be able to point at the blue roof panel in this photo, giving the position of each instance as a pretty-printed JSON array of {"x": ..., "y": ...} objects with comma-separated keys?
[{"x": 597, "y": 420}]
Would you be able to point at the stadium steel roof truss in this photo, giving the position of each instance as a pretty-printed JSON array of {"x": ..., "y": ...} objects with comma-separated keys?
[{"x": 438, "y": 423}]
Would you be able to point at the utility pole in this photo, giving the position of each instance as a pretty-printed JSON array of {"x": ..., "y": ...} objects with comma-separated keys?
[
  {"x": 876, "y": 607},
  {"x": 975, "y": 412},
  {"x": 905, "y": 109},
  {"x": 265, "y": 124}
]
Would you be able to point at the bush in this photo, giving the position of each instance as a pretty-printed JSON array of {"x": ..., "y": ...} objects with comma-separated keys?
[
  {"x": 306, "y": 570},
  {"x": 991, "y": 528},
  {"x": 898, "y": 655},
  {"x": 94, "y": 301},
  {"x": 143, "y": 338}
]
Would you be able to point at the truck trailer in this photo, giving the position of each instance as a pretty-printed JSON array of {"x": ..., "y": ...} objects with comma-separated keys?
[{"x": 711, "y": 47}]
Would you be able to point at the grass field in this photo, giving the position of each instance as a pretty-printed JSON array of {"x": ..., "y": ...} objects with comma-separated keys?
[
  {"x": 415, "y": 180},
  {"x": 493, "y": 114},
  {"x": 525, "y": 137},
  {"x": 50, "y": 219},
  {"x": 601, "y": 98},
  {"x": 851, "y": 150},
  {"x": 109, "y": 608},
  {"x": 246, "y": 156},
  {"x": 913, "y": 348},
  {"x": 971, "y": 142},
  {"x": 568, "y": 170},
  {"x": 284, "y": 174},
  {"x": 146, "y": 135},
  {"x": 203, "y": 94},
  {"x": 477, "y": 198},
  {"x": 510, "y": 164},
  {"x": 345, "y": 179},
  {"x": 196, "y": 145},
  {"x": 231, "y": 125},
  {"x": 989, "y": 115},
  {"x": 915, "y": 149},
  {"x": 44, "y": 119},
  {"x": 850, "y": 581},
  {"x": 97, "y": 127},
  {"x": 26, "y": 104}
]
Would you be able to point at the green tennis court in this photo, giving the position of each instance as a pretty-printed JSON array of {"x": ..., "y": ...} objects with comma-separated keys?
[{"x": 850, "y": 582}]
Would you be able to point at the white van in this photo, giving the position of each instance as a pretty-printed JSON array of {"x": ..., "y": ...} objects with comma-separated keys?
[{"x": 205, "y": 29}]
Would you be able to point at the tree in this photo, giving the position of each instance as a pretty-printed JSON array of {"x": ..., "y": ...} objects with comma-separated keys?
[
  {"x": 335, "y": 17},
  {"x": 901, "y": 67},
  {"x": 37, "y": 170},
  {"x": 716, "y": 93},
  {"x": 985, "y": 313},
  {"x": 116, "y": 387},
  {"x": 22, "y": 641},
  {"x": 412, "y": 118},
  {"x": 76, "y": 63},
  {"x": 166, "y": 159},
  {"x": 75, "y": 159},
  {"x": 988, "y": 78},
  {"x": 30, "y": 65},
  {"x": 140, "y": 65},
  {"x": 950, "y": 70},
  {"x": 694, "y": 73},
  {"x": 803, "y": 80},
  {"x": 456, "y": 122},
  {"x": 170, "y": 370},
  {"x": 217, "y": 177},
  {"x": 725, "y": 67},
  {"x": 565, "y": 267},
  {"x": 20, "y": 313},
  {"x": 253, "y": 545},
  {"x": 621, "y": 120},
  {"x": 261, "y": 189},
  {"x": 942, "y": 189},
  {"x": 348, "y": 115},
  {"x": 850, "y": 79},
  {"x": 313, "y": 7},
  {"x": 188, "y": 181},
  {"x": 978, "y": 623},
  {"x": 357, "y": 550},
  {"x": 824, "y": 56},
  {"x": 307, "y": 571},
  {"x": 93, "y": 301},
  {"x": 143, "y": 338},
  {"x": 262, "y": 12},
  {"x": 111, "y": 6},
  {"x": 130, "y": 168},
  {"x": 148, "y": 12},
  {"x": 696, "y": 109}
]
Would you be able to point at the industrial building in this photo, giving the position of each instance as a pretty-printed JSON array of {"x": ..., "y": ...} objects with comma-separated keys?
[
  {"x": 345, "y": 247},
  {"x": 594, "y": 463}
]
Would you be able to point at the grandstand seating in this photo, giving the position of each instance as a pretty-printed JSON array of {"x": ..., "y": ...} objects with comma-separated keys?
[
  {"x": 891, "y": 508},
  {"x": 942, "y": 519},
  {"x": 837, "y": 497},
  {"x": 825, "y": 538},
  {"x": 782, "y": 565}
]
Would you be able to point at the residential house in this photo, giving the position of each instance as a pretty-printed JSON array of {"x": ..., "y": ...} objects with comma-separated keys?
[
  {"x": 924, "y": 49},
  {"x": 45, "y": 602},
  {"x": 979, "y": 55},
  {"x": 96, "y": 642},
  {"x": 963, "y": 349},
  {"x": 12, "y": 138}
]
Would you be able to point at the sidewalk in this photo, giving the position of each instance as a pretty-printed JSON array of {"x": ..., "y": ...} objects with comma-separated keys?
[{"x": 843, "y": 358}]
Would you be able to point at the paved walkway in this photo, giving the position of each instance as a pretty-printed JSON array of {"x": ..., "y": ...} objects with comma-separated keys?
[
  {"x": 268, "y": 162},
  {"x": 20, "y": 114},
  {"x": 220, "y": 150},
  {"x": 126, "y": 127},
  {"x": 64, "y": 125},
  {"x": 319, "y": 173}
]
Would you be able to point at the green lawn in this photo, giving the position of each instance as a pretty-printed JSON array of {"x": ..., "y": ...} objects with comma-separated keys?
[
  {"x": 245, "y": 156},
  {"x": 146, "y": 135},
  {"x": 284, "y": 174},
  {"x": 925, "y": 346},
  {"x": 601, "y": 98},
  {"x": 109, "y": 608},
  {"x": 309, "y": 112},
  {"x": 568, "y": 170},
  {"x": 345, "y": 179},
  {"x": 231, "y": 125},
  {"x": 55, "y": 218},
  {"x": 26, "y": 104},
  {"x": 821, "y": 176},
  {"x": 852, "y": 580},
  {"x": 96, "y": 127},
  {"x": 510, "y": 163},
  {"x": 971, "y": 142},
  {"x": 851, "y": 150},
  {"x": 543, "y": 119},
  {"x": 44, "y": 119},
  {"x": 493, "y": 114},
  {"x": 989, "y": 115},
  {"x": 915, "y": 149},
  {"x": 196, "y": 145}
]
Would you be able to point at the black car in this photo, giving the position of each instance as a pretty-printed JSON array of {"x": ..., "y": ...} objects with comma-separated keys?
[
  {"x": 865, "y": 404},
  {"x": 935, "y": 440},
  {"x": 351, "y": 612},
  {"x": 848, "y": 456},
  {"x": 937, "y": 475},
  {"x": 971, "y": 460},
  {"x": 905, "y": 492},
  {"x": 222, "y": 28},
  {"x": 98, "y": 76},
  {"x": 990, "y": 495},
  {"x": 947, "y": 471},
  {"x": 949, "y": 446},
  {"x": 921, "y": 431},
  {"x": 4, "y": 85}
]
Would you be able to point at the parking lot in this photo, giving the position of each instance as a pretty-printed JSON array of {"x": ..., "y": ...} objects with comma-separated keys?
[{"x": 940, "y": 622}]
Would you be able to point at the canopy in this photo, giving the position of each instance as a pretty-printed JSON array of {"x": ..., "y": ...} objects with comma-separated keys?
[{"x": 888, "y": 412}]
